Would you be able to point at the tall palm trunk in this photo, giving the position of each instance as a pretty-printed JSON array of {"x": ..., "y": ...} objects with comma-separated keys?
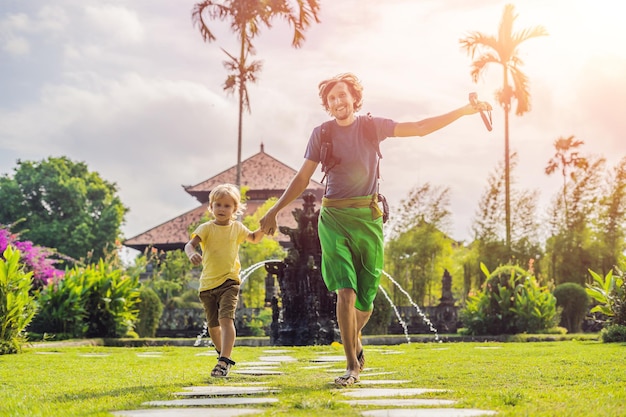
[
  {"x": 240, "y": 85},
  {"x": 507, "y": 177}
]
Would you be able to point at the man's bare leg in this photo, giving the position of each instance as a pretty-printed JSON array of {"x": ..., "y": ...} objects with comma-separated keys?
[{"x": 350, "y": 321}]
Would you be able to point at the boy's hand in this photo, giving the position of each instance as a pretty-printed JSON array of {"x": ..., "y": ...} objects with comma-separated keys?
[{"x": 196, "y": 259}]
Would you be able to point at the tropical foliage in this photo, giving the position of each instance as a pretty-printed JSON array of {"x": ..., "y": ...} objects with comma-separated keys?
[
  {"x": 510, "y": 302},
  {"x": 99, "y": 300},
  {"x": 17, "y": 305},
  {"x": 609, "y": 292}
]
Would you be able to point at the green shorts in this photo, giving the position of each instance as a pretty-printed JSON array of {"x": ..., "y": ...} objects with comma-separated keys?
[{"x": 352, "y": 252}]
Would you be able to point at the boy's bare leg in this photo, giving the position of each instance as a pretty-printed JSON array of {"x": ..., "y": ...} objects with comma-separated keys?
[
  {"x": 229, "y": 333},
  {"x": 216, "y": 337}
]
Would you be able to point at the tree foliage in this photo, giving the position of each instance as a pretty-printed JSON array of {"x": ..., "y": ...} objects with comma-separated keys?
[
  {"x": 417, "y": 250},
  {"x": 489, "y": 242},
  {"x": 63, "y": 206}
]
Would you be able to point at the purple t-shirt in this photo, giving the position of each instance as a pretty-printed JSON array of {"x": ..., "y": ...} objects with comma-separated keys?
[{"x": 356, "y": 174}]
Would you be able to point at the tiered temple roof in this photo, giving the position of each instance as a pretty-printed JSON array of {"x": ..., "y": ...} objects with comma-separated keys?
[{"x": 262, "y": 175}]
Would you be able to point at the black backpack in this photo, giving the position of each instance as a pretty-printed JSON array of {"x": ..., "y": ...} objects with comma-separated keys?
[{"x": 329, "y": 161}]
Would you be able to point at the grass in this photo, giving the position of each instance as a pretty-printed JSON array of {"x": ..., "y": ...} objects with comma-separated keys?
[{"x": 566, "y": 378}]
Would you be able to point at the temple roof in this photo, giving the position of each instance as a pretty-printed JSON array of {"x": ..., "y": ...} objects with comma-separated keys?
[
  {"x": 259, "y": 172},
  {"x": 264, "y": 176}
]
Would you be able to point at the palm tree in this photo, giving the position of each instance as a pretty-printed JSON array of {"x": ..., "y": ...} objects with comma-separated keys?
[
  {"x": 246, "y": 19},
  {"x": 564, "y": 158},
  {"x": 503, "y": 50}
]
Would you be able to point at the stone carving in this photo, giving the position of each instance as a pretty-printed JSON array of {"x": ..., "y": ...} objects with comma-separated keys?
[{"x": 303, "y": 311}]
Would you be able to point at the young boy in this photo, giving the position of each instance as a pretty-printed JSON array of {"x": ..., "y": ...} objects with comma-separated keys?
[{"x": 219, "y": 283}]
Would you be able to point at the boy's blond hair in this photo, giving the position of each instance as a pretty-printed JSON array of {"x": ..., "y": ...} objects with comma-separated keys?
[{"x": 227, "y": 190}]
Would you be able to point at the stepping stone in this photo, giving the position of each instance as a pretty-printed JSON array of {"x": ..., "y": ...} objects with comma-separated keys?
[
  {"x": 258, "y": 368},
  {"x": 388, "y": 392},
  {"x": 428, "y": 412},
  {"x": 223, "y": 391},
  {"x": 277, "y": 358},
  {"x": 366, "y": 374},
  {"x": 188, "y": 412},
  {"x": 204, "y": 402},
  {"x": 47, "y": 353},
  {"x": 276, "y": 351},
  {"x": 255, "y": 372},
  {"x": 488, "y": 347},
  {"x": 383, "y": 381},
  {"x": 328, "y": 359},
  {"x": 274, "y": 364},
  {"x": 400, "y": 402},
  {"x": 94, "y": 355}
]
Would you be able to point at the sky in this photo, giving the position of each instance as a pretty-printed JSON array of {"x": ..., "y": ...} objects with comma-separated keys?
[{"x": 130, "y": 88}]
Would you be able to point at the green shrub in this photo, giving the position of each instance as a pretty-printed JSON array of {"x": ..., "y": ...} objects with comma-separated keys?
[
  {"x": 17, "y": 306},
  {"x": 511, "y": 301},
  {"x": 61, "y": 308},
  {"x": 610, "y": 294},
  {"x": 574, "y": 301},
  {"x": 613, "y": 333},
  {"x": 150, "y": 310},
  {"x": 110, "y": 300}
]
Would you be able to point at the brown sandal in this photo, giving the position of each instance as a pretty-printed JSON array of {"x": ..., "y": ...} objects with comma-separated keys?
[
  {"x": 346, "y": 380},
  {"x": 220, "y": 371}
]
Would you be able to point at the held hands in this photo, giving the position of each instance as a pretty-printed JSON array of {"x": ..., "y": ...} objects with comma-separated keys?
[{"x": 268, "y": 223}]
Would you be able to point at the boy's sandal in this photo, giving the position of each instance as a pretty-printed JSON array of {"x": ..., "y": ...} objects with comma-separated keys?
[
  {"x": 361, "y": 358},
  {"x": 346, "y": 380},
  {"x": 222, "y": 370}
]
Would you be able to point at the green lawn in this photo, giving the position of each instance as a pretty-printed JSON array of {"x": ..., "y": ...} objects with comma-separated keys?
[{"x": 567, "y": 378}]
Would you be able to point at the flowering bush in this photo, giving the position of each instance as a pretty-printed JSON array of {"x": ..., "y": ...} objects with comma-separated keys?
[{"x": 36, "y": 259}]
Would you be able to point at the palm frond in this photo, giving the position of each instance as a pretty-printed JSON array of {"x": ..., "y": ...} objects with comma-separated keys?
[
  {"x": 520, "y": 91},
  {"x": 480, "y": 64},
  {"x": 213, "y": 11}
]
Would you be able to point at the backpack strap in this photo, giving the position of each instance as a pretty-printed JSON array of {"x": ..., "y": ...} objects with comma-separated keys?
[{"x": 327, "y": 158}]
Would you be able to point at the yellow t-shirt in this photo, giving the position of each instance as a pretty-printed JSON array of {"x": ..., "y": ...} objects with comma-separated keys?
[{"x": 220, "y": 252}]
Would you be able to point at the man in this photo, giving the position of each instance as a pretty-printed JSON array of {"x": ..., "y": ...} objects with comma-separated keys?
[{"x": 350, "y": 223}]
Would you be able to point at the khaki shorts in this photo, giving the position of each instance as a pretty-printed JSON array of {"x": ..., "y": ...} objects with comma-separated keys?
[{"x": 220, "y": 302}]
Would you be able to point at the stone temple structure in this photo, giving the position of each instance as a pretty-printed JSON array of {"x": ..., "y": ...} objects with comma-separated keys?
[{"x": 303, "y": 310}]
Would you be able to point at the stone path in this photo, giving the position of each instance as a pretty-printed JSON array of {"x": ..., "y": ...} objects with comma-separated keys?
[{"x": 214, "y": 401}]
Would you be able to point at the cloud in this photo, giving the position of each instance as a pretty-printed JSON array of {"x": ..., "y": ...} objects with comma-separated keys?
[{"x": 131, "y": 89}]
